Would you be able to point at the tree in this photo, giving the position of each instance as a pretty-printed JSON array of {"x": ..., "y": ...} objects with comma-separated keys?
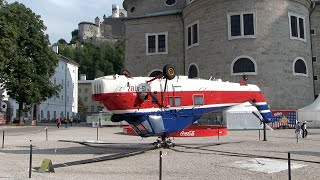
[
  {"x": 62, "y": 41},
  {"x": 27, "y": 61},
  {"x": 82, "y": 109}
]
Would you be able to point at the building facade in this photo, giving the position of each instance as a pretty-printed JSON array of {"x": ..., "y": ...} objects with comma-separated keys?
[
  {"x": 315, "y": 36},
  {"x": 89, "y": 107},
  {"x": 269, "y": 41},
  {"x": 66, "y": 103}
]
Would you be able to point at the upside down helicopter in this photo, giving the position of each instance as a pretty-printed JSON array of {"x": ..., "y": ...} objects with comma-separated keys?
[{"x": 158, "y": 106}]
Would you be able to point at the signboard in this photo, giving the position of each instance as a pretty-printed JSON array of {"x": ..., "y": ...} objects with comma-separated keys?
[{"x": 284, "y": 118}]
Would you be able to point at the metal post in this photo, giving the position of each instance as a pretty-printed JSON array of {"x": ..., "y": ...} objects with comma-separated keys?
[
  {"x": 3, "y": 139},
  {"x": 160, "y": 166},
  {"x": 97, "y": 132},
  {"x": 218, "y": 133},
  {"x": 46, "y": 133},
  {"x": 30, "y": 165},
  {"x": 289, "y": 166},
  {"x": 264, "y": 132},
  {"x": 297, "y": 136}
]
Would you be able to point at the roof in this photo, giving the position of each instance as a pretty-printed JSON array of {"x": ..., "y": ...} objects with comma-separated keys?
[
  {"x": 87, "y": 23},
  {"x": 162, "y": 13},
  {"x": 68, "y": 60}
]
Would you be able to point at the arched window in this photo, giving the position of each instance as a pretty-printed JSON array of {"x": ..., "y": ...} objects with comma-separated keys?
[
  {"x": 170, "y": 2},
  {"x": 155, "y": 73},
  {"x": 193, "y": 71},
  {"x": 243, "y": 65},
  {"x": 300, "y": 67}
]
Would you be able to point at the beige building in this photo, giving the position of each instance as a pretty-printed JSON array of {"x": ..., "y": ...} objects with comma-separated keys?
[
  {"x": 269, "y": 41},
  {"x": 85, "y": 99},
  {"x": 315, "y": 36}
]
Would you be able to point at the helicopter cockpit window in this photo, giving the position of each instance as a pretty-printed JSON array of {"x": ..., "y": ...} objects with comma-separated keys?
[
  {"x": 198, "y": 100},
  {"x": 175, "y": 101}
]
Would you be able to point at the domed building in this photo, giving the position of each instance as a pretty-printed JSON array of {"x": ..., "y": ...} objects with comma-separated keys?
[{"x": 268, "y": 41}]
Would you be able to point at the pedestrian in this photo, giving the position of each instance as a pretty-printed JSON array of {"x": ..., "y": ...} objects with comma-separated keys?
[
  {"x": 58, "y": 121},
  {"x": 304, "y": 129},
  {"x": 71, "y": 121},
  {"x": 65, "y": 122},
  {"x": 298, "y": 129}
]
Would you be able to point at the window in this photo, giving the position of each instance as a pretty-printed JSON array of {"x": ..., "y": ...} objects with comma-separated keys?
[
  {"x": 198, "y": 100},
  {"x": 192, "y": 34},
  {"x": 62, "y": 98},
  {"x": 299, "y": 67},
  {"x": 132, "y": 9},
  {"x": 175, "y": 101},
  {"x": 312, "y": 32},
  {"x": 62, "y": 84},
  {"x": 92, "y": 108},
  {"x": 170, "y": 2},
  {"x": 85, "y": 99},
  {"x": 315, "y": 78},
  {"x": 54, "y": 114},
  {"x": 193, "y": 71},
  {"x": 243, "y": 65},
  {"x": 48, "y": 114},
  {"x": 41, "y": 114},
  {"x": 297, "y": 27},
  {"x": 67, "y": 83},
  {"x": 157, "y": 43},
  {"x": 86, "y": 90},
  {"x": 241, "y": 25},
  {"x": 314, "y": 59}
]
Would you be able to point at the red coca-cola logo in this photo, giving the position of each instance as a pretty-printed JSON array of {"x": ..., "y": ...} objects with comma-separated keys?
[{"x": 187, "y": 133}]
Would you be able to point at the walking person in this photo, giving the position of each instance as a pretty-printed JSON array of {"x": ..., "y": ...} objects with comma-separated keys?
[
  {"x": 66, "y": 122},
  {"x": 298, "y": 129},
  {"x": 304, "y": 129},
  {"x": 58, "y": 121}
]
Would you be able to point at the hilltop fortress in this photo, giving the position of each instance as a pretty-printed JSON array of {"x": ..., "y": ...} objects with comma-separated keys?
[{"x": 110, "y": 29}]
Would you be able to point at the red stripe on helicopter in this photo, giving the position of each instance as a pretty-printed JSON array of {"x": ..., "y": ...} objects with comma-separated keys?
[{"x": 129, "y": 100}]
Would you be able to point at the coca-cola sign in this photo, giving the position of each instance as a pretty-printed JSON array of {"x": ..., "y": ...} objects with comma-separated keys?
[{"x": 187, "y": 133}]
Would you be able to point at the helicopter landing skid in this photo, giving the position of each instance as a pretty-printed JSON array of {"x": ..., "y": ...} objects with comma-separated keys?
[{"x": 163, "y": 142}]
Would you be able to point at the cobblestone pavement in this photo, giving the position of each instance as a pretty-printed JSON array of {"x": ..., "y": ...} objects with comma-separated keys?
[{"x": 76, "y": 154}]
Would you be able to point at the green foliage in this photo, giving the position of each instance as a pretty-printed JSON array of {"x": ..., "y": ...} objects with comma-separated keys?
[
  {"x": 82, "y": 109},
  {"x": 96, "y": 61},
  {"x": 26, "y": 61},
  {"x": 74, "y": 35},
  {"x": 62, "y": 41}
]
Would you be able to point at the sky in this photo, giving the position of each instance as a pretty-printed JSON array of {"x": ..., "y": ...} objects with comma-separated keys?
[{"x": 61, "y": 17}]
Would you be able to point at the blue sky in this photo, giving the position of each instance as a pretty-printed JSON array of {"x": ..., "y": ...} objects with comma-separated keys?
[{"x": 63, "y": 16}]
